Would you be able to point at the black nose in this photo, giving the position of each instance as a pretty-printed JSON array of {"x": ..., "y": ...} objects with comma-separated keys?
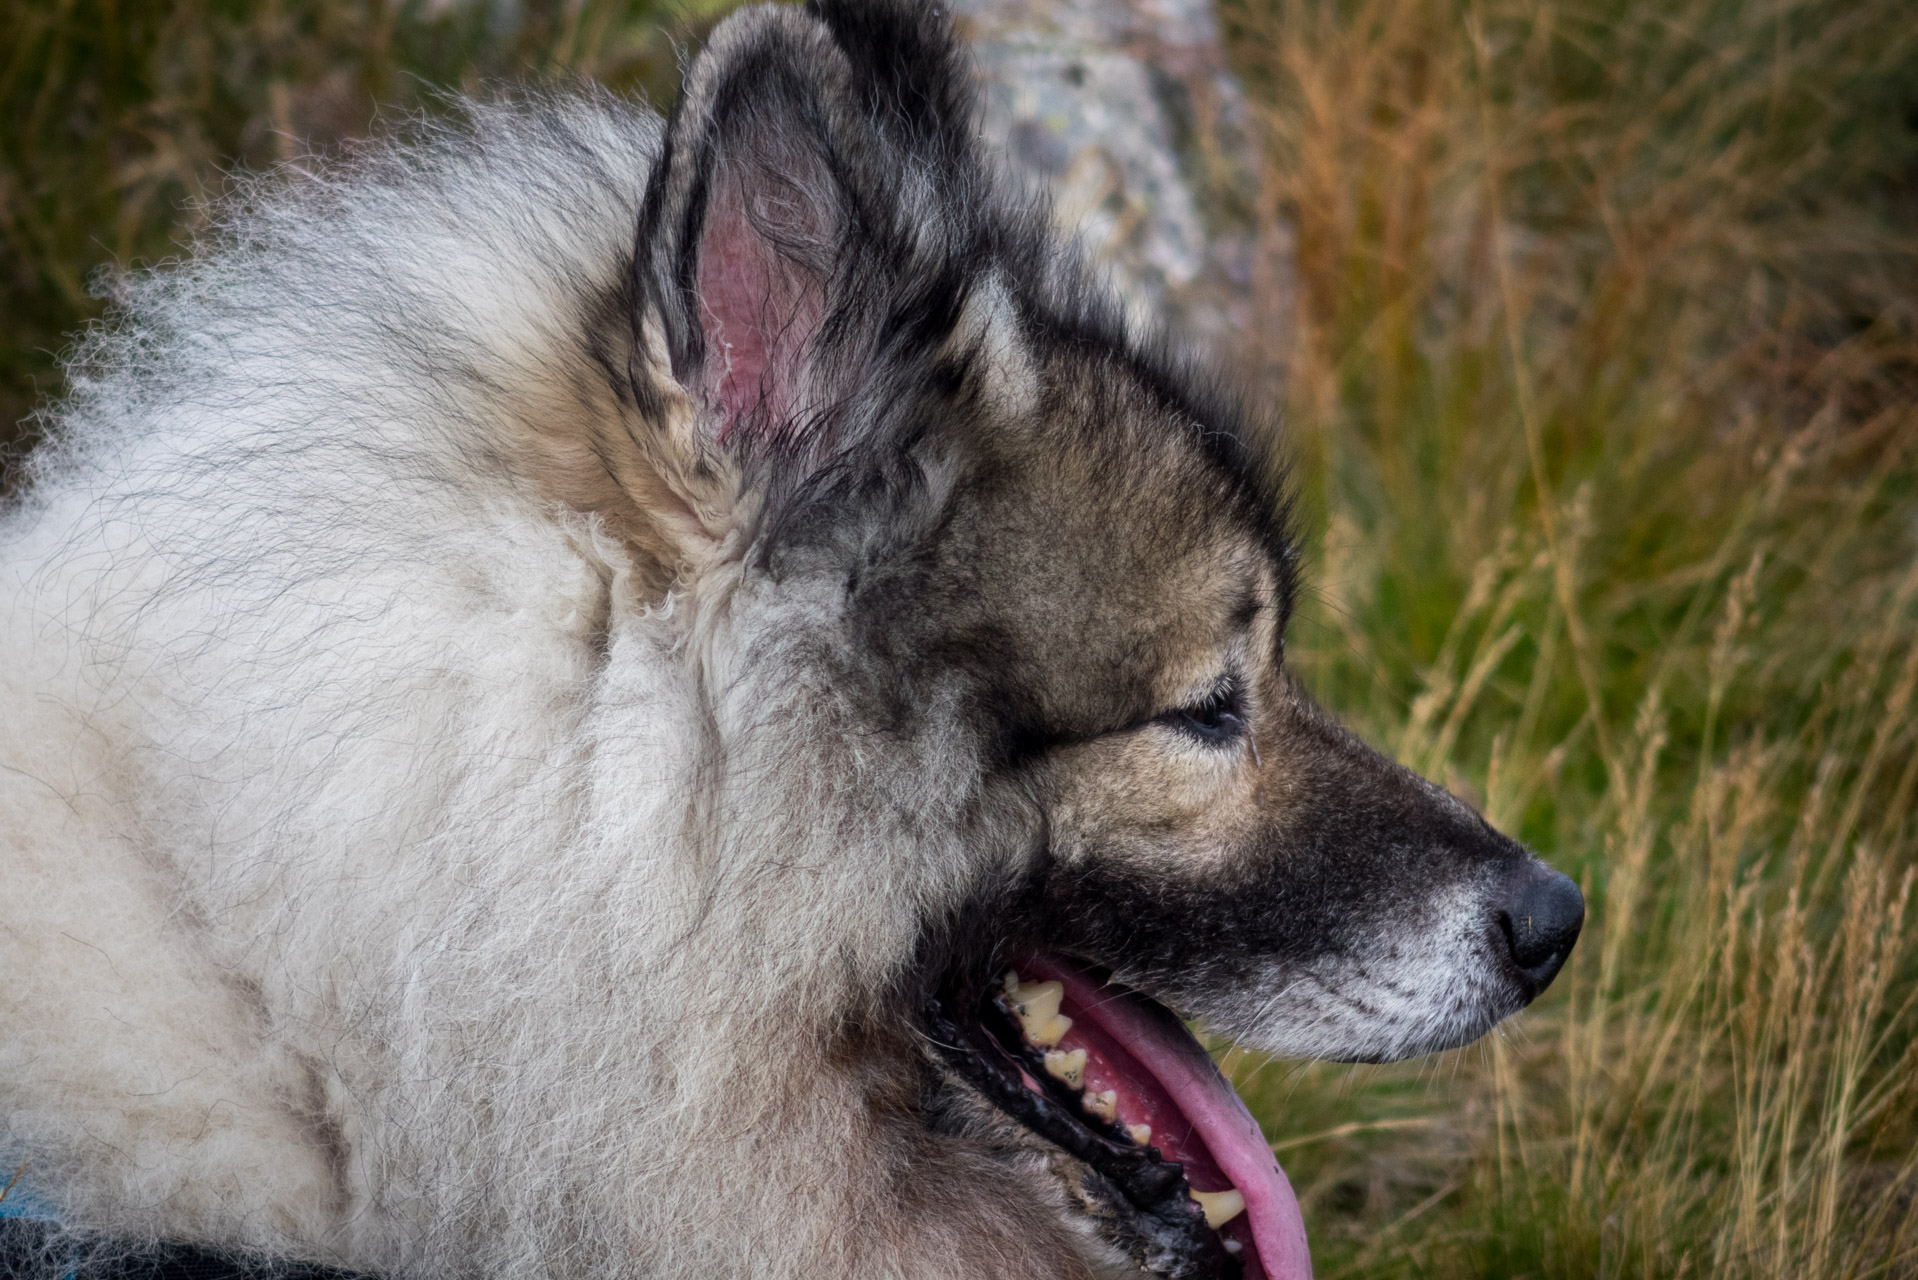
[{"x": 1542, "y": 921}]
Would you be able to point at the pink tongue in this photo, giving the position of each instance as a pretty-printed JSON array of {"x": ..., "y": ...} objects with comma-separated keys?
[{"x": 1181, "y": 1067}]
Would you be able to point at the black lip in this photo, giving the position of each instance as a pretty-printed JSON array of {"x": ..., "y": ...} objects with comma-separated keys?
[{"x": 1141, "y": 1199}]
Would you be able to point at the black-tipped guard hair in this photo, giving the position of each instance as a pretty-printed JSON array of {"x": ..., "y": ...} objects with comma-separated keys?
[{"x": 911, "y": 74}]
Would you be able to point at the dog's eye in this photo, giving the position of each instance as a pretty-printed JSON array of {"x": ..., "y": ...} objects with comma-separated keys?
[{"x": 1217, "y": 720}]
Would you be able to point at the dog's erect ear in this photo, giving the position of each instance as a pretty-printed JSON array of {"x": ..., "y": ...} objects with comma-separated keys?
[{"x": 803, "y": 220}]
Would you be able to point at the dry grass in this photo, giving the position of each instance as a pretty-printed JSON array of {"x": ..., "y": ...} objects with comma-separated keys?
[
  {"x": 1605, "y": 381},
  {"x": 1605, "y": 388}
]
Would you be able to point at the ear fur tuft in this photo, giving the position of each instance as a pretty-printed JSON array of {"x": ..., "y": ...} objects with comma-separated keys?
[
  {"x": 809, "y": 209},
  {"x": 910, "y": 72}
]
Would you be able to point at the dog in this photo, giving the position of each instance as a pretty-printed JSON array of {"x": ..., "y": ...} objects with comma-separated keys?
[{"x": 589, "y": 695}]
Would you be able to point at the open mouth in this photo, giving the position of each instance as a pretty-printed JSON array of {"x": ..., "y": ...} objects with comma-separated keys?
[{"x": 1175, "y": 1168}]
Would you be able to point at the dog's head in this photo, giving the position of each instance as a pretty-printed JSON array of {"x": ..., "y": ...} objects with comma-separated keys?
[{"x": 1000, "y": 592}]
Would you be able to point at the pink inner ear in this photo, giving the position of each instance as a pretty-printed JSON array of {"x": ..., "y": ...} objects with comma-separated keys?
[{"x": 759, "y": 313}]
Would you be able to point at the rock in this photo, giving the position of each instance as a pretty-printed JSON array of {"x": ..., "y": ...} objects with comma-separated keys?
[{"x": 1128, "y": 111}]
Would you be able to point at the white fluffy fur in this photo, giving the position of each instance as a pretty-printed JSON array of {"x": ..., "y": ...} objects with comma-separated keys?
[{"x": 377, "y": 888}]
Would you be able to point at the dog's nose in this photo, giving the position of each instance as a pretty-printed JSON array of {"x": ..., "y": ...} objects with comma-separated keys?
[{"x": 1542, "y": 921}]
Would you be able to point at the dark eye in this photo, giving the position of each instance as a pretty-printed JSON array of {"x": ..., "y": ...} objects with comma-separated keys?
[{"x": 1216, "y": 721}]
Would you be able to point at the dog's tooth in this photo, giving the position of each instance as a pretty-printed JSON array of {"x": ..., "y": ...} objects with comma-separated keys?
[
  {"x": 1051, "y": 1032},
  {"x": 1232, "y": 1247},
  {"x": 1036, "y": 1005},
  {"x": 1139, "y": 1133},
  {"x": 1104, "y": 1105},
  {"x": 1220, "y": 1207},
  {"x": 1069, "y": 1068},
  {"x": 1038, "y": 999}
]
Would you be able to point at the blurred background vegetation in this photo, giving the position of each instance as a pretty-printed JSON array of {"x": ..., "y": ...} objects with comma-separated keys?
[
  {"x": 1604, "y": 394},
  {"x": 1605, "y": 388},
  {"x": 121, "y": 119}
]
